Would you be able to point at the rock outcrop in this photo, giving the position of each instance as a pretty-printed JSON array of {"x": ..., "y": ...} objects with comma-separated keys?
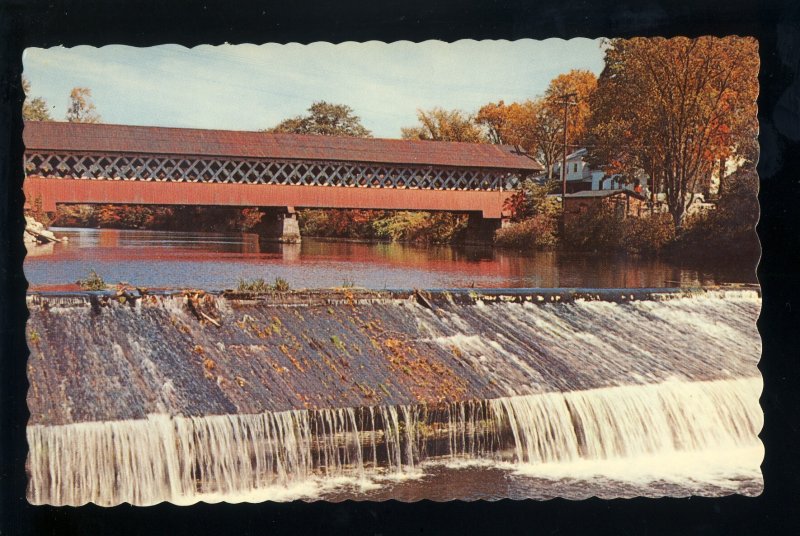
[{"x": 36, "y": 233}]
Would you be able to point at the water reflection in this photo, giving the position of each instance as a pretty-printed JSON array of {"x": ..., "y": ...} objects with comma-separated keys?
[{"x": 219, "y": 260}]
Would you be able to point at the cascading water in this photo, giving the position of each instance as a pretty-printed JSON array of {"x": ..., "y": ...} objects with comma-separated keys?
[{"x": 147, "y": 403}]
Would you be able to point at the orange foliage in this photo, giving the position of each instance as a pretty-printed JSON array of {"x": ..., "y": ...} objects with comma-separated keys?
[
  {"x": 672, "y": 108},
  {"x": 582, "y": 84}
]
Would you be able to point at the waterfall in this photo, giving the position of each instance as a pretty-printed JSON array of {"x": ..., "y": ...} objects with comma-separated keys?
[
  {"x": 183, "y": 459},
  {"x": 150, "y": 402}
]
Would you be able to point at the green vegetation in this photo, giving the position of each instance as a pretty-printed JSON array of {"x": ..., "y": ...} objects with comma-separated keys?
[
  {"x": 92, "y": 282},
  {"x": 424, "y": 227},
  {"x": 337, "y": 342},
  {"x": 36, "y": 108},
  {"x": 535, "y": 218},
  {"x": 168, "y": 218},
  {"x": 280, "y": 285},
  {"x": 402, "y": 226},
  {"x": 647, "y": 235},
  {"x": 438, "y": 124},
  {"x": 253, "y": 285},
  {"x": 34, "y": 337},
  {"x": 257, "y": 286},
  {"x": 536, "y": 232}
]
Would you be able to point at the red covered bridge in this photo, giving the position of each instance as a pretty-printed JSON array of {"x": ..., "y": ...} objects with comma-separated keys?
[{"x": 118, "y": 164}]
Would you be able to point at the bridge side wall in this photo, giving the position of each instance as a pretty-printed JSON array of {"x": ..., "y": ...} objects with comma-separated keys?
[{"x": 53, "y": 191}]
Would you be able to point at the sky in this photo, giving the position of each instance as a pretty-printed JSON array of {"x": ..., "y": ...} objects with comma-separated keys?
[{"x": 249, "y": 87}]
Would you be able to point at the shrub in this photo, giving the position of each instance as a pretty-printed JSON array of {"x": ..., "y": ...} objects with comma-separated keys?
[
  {"x": 280, "y": 285},
  {"x": 649, "y": 234},
  {"x": 602, "y": 229},
  {"x": 249, "y": 218},
  {"x": 728, "y": 231},
  {"x": 598, "y": 229},
  {"x": 253, "y": 285},
  {"x": 435, "y": 228},
  {"x": 124, "y": 216},
  {"x": 257, "y": 286},
  {"x": 540, "y": 231},
  {"x": 530, "y": 198},
  {"x": 92, "y": 282},
  {"x": 350, "y": 223}
]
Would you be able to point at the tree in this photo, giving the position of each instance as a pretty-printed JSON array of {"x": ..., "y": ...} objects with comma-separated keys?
[
  {"x": 325, "y": 119},
  {"x": 674, "y": 108},
  {"x": 547, "y": 133},
  {"x": 81, "y": 109},
  {"x": 582, "y": 85},
  {"x": 495, "y": 118},
  {"x": 508, "y": 124},
  {"x": 438, "y": 124},
  {"x": 35, "y": 109},
  {"x": 531, "y": 125}
]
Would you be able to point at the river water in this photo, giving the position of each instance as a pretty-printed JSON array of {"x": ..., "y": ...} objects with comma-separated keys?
[{"x": 215, "y": 261}]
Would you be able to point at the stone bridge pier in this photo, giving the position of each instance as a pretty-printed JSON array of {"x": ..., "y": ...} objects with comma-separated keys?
[{"x": 279, "y": 225}]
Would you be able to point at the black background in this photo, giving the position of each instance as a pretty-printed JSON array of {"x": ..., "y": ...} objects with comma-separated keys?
[{"x": 775, "y": 23}]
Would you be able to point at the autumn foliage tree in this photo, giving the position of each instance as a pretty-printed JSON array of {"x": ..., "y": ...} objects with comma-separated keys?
[
  {"x": 528, "y": 125},
  {"x": 36, "y": 108},
  {"x": 581, "y": 84},
  {"x": 439, "y": 124},
  {"x": 81, "y": 109},
  {"x": 325, "y": 119},
  {"x": 674, "y": 108},
  {"x": 538, "y": 125}
]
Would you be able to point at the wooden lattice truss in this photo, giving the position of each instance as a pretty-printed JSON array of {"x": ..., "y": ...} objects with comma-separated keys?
[{"x": 266, "y": 171}]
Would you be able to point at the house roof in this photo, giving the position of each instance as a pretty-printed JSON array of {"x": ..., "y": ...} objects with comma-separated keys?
[
  {"x": 578, "y": 153},
  {"x": 105, "y": 138},
  {"x": 604, "y": 193}
]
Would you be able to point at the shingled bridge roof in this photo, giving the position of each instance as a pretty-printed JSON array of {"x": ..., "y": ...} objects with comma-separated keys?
[{"x": 53, "y": 136}]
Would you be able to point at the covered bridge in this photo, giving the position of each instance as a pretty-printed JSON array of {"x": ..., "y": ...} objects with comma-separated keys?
[{"x": 122, "y": 164}]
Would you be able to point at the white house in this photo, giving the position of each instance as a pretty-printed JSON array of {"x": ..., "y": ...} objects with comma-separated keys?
[{"x": 581, "y": 177}]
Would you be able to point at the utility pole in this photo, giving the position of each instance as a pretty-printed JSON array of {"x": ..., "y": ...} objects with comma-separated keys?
[{"x": 567, "y": 102}]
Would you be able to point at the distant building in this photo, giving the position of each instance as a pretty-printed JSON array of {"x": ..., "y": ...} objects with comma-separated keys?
[
  {"x": 580, "y": 176},
  {"x": 624, "y": 202}
]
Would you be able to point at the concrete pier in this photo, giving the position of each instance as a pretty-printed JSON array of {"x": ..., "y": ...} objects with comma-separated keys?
[{"x": 279, "y": 225}]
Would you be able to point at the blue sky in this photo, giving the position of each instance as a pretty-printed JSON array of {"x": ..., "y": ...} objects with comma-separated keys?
[{"x": 249, "y": 87}]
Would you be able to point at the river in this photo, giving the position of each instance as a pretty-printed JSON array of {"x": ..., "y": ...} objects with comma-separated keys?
[{"x": 216, "y": 261}]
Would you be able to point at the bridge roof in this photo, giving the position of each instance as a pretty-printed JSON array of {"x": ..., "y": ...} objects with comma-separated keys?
[{"x": 104, "y": 138}]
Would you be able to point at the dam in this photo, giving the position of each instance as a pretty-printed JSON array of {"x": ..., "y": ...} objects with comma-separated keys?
[{"x": 184, "y": 396}]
